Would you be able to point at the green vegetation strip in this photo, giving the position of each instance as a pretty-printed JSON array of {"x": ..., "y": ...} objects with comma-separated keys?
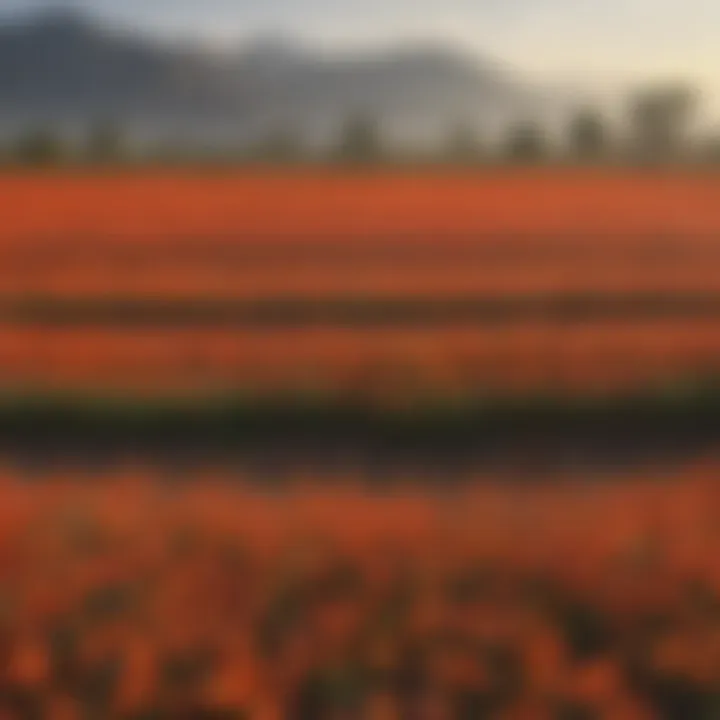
[
  {"x": 239, "y": 417},
  {"x": 361, "y": 310}
]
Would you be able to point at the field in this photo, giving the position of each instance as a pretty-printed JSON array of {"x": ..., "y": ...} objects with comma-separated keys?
[
  {"x": 580, "y": 358},
  {"x": 329, "y": 445},
  {"x": 547, "y": 281},
  {"x": 138, "y": 206},
  {"x": 127, "y": 598}
]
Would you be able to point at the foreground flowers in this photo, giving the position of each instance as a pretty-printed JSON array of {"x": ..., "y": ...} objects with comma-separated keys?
[{"x": 124, "y": 598}]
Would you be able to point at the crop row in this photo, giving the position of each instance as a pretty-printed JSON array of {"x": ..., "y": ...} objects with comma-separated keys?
[
  {"x": 168, "y": 281},
  {"x": 168, "y": 205},
  {"x": 594, "y": 357}
]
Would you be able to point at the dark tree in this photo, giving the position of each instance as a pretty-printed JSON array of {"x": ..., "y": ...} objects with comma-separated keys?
[
  {"x": 526, "y": 143},
  {"x": 587, "y": 135},
  {"x": 280, "y": 146},
  {"x": 711, "y": 149},
  {"x": 40, "y": 147},
  {"x": 660, "y": 119},
  {"x": 105, "y": 142},
  {"x": 360, "y": 141}
]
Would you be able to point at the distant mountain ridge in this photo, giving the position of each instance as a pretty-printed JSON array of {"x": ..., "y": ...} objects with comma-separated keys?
[{"x": 63, "y": 67}]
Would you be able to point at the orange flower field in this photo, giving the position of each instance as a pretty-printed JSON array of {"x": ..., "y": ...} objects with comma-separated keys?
[
  {"x": 574, "y": 358},
  {"x": 125, "y": 599},
  {"x": 138, "y": 206},
  {"x": 327, "y": 234},
  {"x": 448, "y": 560},
  {"x": 156, "y": 239}
]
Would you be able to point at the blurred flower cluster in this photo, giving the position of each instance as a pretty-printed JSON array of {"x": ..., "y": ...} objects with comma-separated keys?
[{"x": 128, "y": 599}]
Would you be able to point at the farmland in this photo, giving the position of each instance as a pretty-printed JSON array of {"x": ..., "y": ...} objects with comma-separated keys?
[
  {"x": 576, "y": 358},
  {"x": 126, "y": 598},
  {"x": 142, "y": 205},
  {"x": 320, "y": 444},
  {"x": 326, "y": 235},
  {"x": 561, "y": 281}
]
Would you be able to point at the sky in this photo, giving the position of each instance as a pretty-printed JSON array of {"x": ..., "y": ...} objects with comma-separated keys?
[{"x": 605, "y": 40}]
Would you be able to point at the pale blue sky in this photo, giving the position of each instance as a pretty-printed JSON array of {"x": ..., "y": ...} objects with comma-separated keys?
[{"x": 607, "y": 39}]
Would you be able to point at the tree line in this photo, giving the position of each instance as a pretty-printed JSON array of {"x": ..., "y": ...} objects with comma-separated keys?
[{"x": 658, "y": 127}]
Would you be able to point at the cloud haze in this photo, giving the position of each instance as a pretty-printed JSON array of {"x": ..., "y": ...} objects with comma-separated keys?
[{"x": 613, "y": 39}]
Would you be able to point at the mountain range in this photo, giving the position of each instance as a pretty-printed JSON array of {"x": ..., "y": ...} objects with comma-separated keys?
[{"x": 67, "y": 69}]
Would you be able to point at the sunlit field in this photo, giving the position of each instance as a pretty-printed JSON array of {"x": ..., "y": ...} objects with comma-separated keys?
[
  {"x": 137, "y": 599},
  {"x": 326, "y": 444},
  {"x": 545, "y": 281}
]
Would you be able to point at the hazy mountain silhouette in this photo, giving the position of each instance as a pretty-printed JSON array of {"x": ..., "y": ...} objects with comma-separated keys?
[{"x": 63, "y": 67}]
